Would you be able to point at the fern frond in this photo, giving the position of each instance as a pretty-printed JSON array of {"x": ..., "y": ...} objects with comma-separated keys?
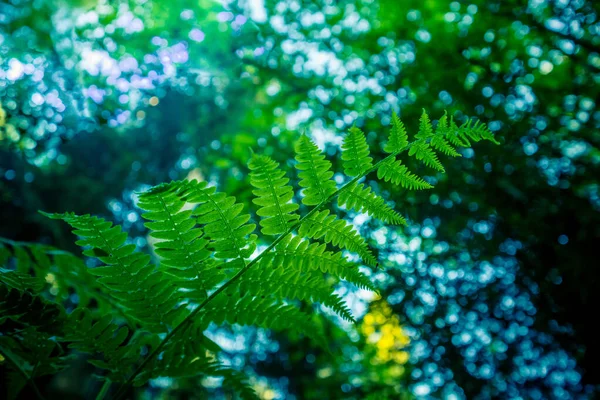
[
  {"x": 462, "y": 135},
  {"x": 274, "y": 195},
  {"x": 398, "y": 174},
  {"x": 425, "y": 127},
  {"x": 20, "y": 310},
  {"x": 101, "y": 336},
  {"x": 439, "y": 142},
  {"x": 29, "y": 325},
  {"x": 181, "y": 247},
  {"x": 355, "y": 153},
  {"x": 288, "y": 284},
  {"x": 146, "y": 293},
  {"x": 361, "y": 198},
  {"x": 316, "y": 172},
  {"x": 193, "y": 354},
  {"x": 337, "y": 232},
  {"x": 20, "y": 281},
  {"x": 301, "y": 255},
  {"x": 60, "y": 274},
  {"x": 223, "y": 221},
  {"x": 398, "y": 138},
  {"x": 423, "y": 152},
  {"x": 476, "y": 131},
  {"x": 264, "y": 311}
]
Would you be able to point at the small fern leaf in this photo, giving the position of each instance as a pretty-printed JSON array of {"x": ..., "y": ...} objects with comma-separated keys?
[
  {"x": 223, "y": 221},
  {"x": 398, "y": 138},
  {"x": 461, "y": 136},
  {"x": 355, "y": 153},
  {"x": 315, "y": 172},
  {"x": 338, "y": 232},
  {"x": 263, "y": 311},
  {"x": 423, "y": 152},
  {"x": 20, "y": 310},
  {"x": 284, "y": 283},
  {"x": 361, "y": 198},
  {"x": 274, "y": 195},
  {"x": 181, "y": 247},
  {"x": 399, "y": 174},
  {"x": 439, "y": 142},
  {"x": 20, "y": 281},
  {"x": 452, "y": 135},
  {"x": 112, "y": 347},
  {"x": 66, "y": 273},
  {"x": 188, "y": 354},
  {"x": 476, "y": 131},
  {"x": 425, "y": 127},
  {"x": 132, "y": 281},
  {"x": 301, "y": 255},
  {"x": 29, "y": 326}
]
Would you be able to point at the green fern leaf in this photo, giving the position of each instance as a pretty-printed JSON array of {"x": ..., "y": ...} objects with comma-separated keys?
[
  {"x": 301, "y": 255},
  {"x": 223, "y": 221},
  {"x": 425, "y": 127},
  {"x": 316, "y": 172},
  {"x": 264, "y": 311},
  {"x": 355, "y": 153},
  {"x": 398, "y": 139},
  {"x": 29, "y": 327},
  {"x": 181, "y": 246},
  {"x": 400, "y": 175},
  {"x": 439, "y": 142},
  {"x": 192, "y": 354},
  {"x": 133, "y": 282},
  {"x": 300, "y": 285},
  {"x": 422, "y": 151},
  {"x": 20, "y": 281},
  {"x": 461, "y": 135},
  {"x": 20, "y": 310},
  {"x": 337, "y": 232},
  {"x": 476, "y": 131},
  {"x": 112, "y": 347},
  {"x": 361, "y": 198},
  {"x": 274, "y": 196}
]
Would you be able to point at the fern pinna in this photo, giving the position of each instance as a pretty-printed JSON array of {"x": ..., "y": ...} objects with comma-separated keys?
[{"x": 212, "y": 268}]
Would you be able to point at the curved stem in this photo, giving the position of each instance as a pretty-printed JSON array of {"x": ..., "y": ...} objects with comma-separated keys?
[{"x": 242, "y": 271}]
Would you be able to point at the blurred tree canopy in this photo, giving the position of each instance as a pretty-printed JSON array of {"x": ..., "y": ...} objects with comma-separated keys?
[{"x": 491, "y": 292}]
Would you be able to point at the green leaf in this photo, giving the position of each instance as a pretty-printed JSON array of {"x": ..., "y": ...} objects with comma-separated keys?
[
  {"x": 273, "y": 195},
  {"x": 398, "y": 174},
  {"x": 398, "y": 138},
  {"x": 315, "y": 172},
  {"x": 355, "y": 153}
]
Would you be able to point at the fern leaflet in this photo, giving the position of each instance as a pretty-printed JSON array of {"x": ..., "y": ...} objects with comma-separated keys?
[
  {"x": 355, "y": 153},
  {"x": 315, "y": 172},
  {"x": 399, "y": 174},
  {"x": 145, "y": 292},
  {"x": 361, "y": 198},
  {"x": 222, "y": 220},
  {"x": 181, "y": 246},
  {"x": 398, "y": 138},
  {"x": 273, "y": 195},
  {"x": 337, "y": 232}
]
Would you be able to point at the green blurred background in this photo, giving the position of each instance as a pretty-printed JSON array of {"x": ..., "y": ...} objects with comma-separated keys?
[{"x": 492, "y": 291}]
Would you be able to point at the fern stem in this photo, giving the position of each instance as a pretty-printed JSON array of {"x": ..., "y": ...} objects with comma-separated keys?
[
  {"x": 121, "y": 392},
  {"x": 104, "y": 390},
  {"x": 28, "y": 379}
]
